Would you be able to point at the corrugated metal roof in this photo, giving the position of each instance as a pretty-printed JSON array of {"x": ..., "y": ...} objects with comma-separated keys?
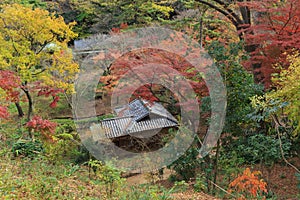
[
  {"x": 117, "y": 127},
  {"x": 151, "y": 124},
  {"x": 138, "y": 116},
  {"x": 140, "y": 108},
  {"x": 158, "y": 109},
  {"x": 111, "y": 128},
  {"x": 135, "y": 108}
]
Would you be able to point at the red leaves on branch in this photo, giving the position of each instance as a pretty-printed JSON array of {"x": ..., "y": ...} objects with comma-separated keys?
[
  {"x": 276, "y": 33},
  {"x": 9, "y": 82},
  {"x": 53, "y": 104},
  {"x": 3, "y": 112},
  {"x": 44, "y": 126},
  {"x": 123, "y": 26},
  {"x": 47, "y": 92},
  {"x": 140, "y": 66}
]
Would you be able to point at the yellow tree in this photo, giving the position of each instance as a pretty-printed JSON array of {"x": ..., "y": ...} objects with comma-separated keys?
[
  {"x": 288, "y": 90},
  {"x": 34, "y": 45}
]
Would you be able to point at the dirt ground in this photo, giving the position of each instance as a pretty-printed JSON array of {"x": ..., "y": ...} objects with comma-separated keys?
[
  {"x": 189, "y": 194},
  {"x": 281, "y": 181}
]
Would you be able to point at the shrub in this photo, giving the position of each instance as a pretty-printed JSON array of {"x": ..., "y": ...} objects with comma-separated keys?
[
  {"x": 65, "y": 147},
  {"x": 147, "y": 192},
  {"x": 27, "y": 148},
  {"x": 109, "y": 177},
  {"x": 43, "y": 126},
  {"x": 262, "y": 148},
  {"x": 180, "y": 186},
  {"x": 249, "y": 184},
  {"x": 185, "y": 167}
]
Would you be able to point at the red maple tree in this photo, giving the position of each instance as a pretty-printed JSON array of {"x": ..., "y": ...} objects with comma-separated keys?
[
  {"x": 9, "y": 84},
  {"x": 275, "y": 34},
  {"x": 158, "y": 64}
]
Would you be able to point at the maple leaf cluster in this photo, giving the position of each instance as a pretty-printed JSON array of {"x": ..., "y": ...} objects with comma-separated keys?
[
  {"x": 3, "y": 112},
  {"x": 48, "y": 91},
  {"x": 44, "y": 126},
  {"x": 9, "y": 82},
  {"x": 117, "y": 30}
]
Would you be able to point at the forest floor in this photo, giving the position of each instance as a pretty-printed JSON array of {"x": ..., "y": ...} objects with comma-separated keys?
[
  {"x": 281, "y": 181},
  {"x": 188, "y": 194}
]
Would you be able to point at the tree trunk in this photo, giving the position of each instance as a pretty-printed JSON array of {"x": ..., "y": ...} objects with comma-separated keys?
[
  {"x": 201, "y": 28},
  {"x": 208, "y": 173},
  {"x": 30, "y": 104},
  {"x": 257, "y": 74},
  {"x": 20, "y": 110},
  {"x": 216, "y": 168},
  {"x": 201, "y": 33}
]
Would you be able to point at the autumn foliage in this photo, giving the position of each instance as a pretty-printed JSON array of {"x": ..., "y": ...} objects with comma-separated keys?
[
  {"x": 48, "y": 91},
  {"x": 274, "y": 34},
  {"x": 43, "y": 126},
  {"x": 249, "y": 183},
  {"x": 154, "y": 63},
  {"x": 3, "y": 112},
  {"x": 35, "y": 57},
  {"x": 9, "y": 82}
]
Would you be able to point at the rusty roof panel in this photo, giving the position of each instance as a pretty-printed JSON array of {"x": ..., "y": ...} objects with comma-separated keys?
[
  {"x": 135, "y": 108},
  {"x": 140, "y": 108}
]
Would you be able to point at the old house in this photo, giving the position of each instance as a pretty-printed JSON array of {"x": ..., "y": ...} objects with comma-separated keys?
[{"x": 139, "y": 121}]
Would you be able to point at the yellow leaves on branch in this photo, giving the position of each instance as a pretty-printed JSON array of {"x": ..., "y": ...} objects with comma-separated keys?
[
  {"x": 34, "y": 44},
  {"x": 23, "y": 22},
  {"x": 166, "y": 10},
  {"x": 63, "y": 68},
  {"x": 249, "y": 183},
  {"x": 288, "y": 89}
]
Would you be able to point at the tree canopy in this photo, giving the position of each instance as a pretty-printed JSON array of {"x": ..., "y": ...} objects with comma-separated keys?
[{"x": 34, "y": 46}]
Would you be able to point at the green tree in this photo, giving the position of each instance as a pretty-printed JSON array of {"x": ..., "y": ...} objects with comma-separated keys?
[
  {"x": 30, "y": 3},
  {"x": 100, "y": 16},
  {"x": 239, "y": 84}
]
